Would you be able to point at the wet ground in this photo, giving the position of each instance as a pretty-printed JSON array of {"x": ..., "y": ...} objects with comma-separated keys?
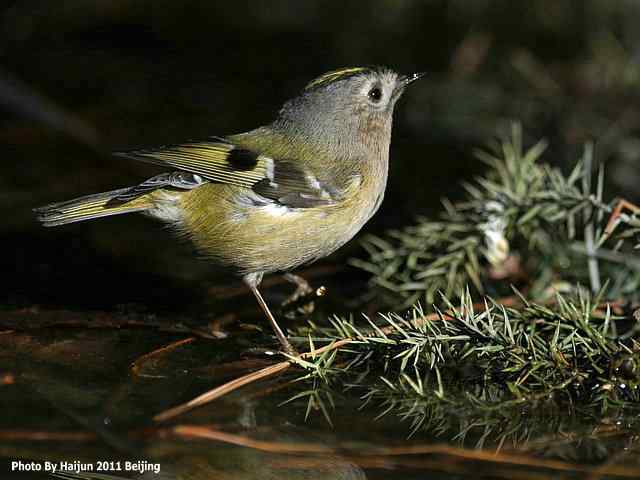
[{"x": 91, "y": 387}]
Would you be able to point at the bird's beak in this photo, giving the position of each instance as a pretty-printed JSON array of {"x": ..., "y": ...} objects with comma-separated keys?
[
  {"x": 406, "y": 80},
  {"x": 409, "y": 79}
]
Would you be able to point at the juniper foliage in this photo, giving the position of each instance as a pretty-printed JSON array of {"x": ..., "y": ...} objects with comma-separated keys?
[
  {"x": 523, "y": 215},
  {"x": 566, "y": 343}
]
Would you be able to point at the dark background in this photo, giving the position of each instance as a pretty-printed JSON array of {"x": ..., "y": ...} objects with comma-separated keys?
[{"x": 144, "y": 73}]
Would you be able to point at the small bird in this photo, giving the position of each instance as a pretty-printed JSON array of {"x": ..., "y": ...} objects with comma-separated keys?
[{"x": 274, "y": 198}]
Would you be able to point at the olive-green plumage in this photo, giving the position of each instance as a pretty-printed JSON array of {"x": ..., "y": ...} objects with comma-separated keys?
[{"x": 275, "y": 197}]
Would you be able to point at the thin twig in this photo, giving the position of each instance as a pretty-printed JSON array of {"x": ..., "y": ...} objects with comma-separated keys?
[
  {"x": 614, "y": 219},
  {"x": 138, "y": 363},
  {"x": 37, "y": 435},
  {"x": 222, "y": 390}
]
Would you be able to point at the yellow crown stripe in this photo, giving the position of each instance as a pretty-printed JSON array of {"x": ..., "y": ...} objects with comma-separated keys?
[{"x": 334, "y": 76}]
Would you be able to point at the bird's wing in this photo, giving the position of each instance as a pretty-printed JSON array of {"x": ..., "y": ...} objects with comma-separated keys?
[
  {"x": 218, "y": 161},
  {"x": 179, "y": 180},
  {"x": 215, "y": 161}
]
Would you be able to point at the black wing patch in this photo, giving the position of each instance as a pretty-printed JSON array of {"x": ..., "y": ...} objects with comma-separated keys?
[{"x": 243, "y": 159}]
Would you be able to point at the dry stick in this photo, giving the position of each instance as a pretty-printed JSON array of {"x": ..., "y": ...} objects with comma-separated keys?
[
  {"x": 196, "y": 431},
  {"x": 37, "y": 435},
  {"x": 242, "y": 381},
  {"x": 229, "y": 387},
  {"x": 81, "y": 436},
  {"x": 222, "y": 390},
  {"x": 617, "y": 213},
  {"x": 34, "y": 318},
  {"x": 277, "y": 368},
  {"x": 137, "y": 364},
  {"x": 451, "y": 465}
]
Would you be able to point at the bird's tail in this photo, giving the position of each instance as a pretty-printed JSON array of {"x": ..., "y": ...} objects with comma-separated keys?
[{"x": 87, "y": 208}]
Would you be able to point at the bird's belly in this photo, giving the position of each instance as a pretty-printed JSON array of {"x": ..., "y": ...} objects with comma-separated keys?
[{"x": 270, "y": 237}]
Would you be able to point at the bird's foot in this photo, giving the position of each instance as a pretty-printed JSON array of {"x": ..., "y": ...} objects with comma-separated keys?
[
  {"x": 301, "y": 302},
  {"x": 290, "y": 350}
]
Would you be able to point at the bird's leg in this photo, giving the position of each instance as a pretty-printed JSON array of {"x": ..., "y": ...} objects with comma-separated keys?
[
  {"x": 252, "y": 281},
  {"x": 302, "y": 300},
  {"x": 288, "y": 348}
]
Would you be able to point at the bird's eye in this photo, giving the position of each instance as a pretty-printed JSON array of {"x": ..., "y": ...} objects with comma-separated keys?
[{"x": 375, "y": 94}]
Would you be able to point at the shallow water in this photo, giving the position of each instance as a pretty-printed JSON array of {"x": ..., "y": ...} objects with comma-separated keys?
[{"x": 89, "y": 395}]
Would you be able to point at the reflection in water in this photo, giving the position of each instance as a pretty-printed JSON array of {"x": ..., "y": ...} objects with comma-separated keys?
[{"x": 95, "y": 410}]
